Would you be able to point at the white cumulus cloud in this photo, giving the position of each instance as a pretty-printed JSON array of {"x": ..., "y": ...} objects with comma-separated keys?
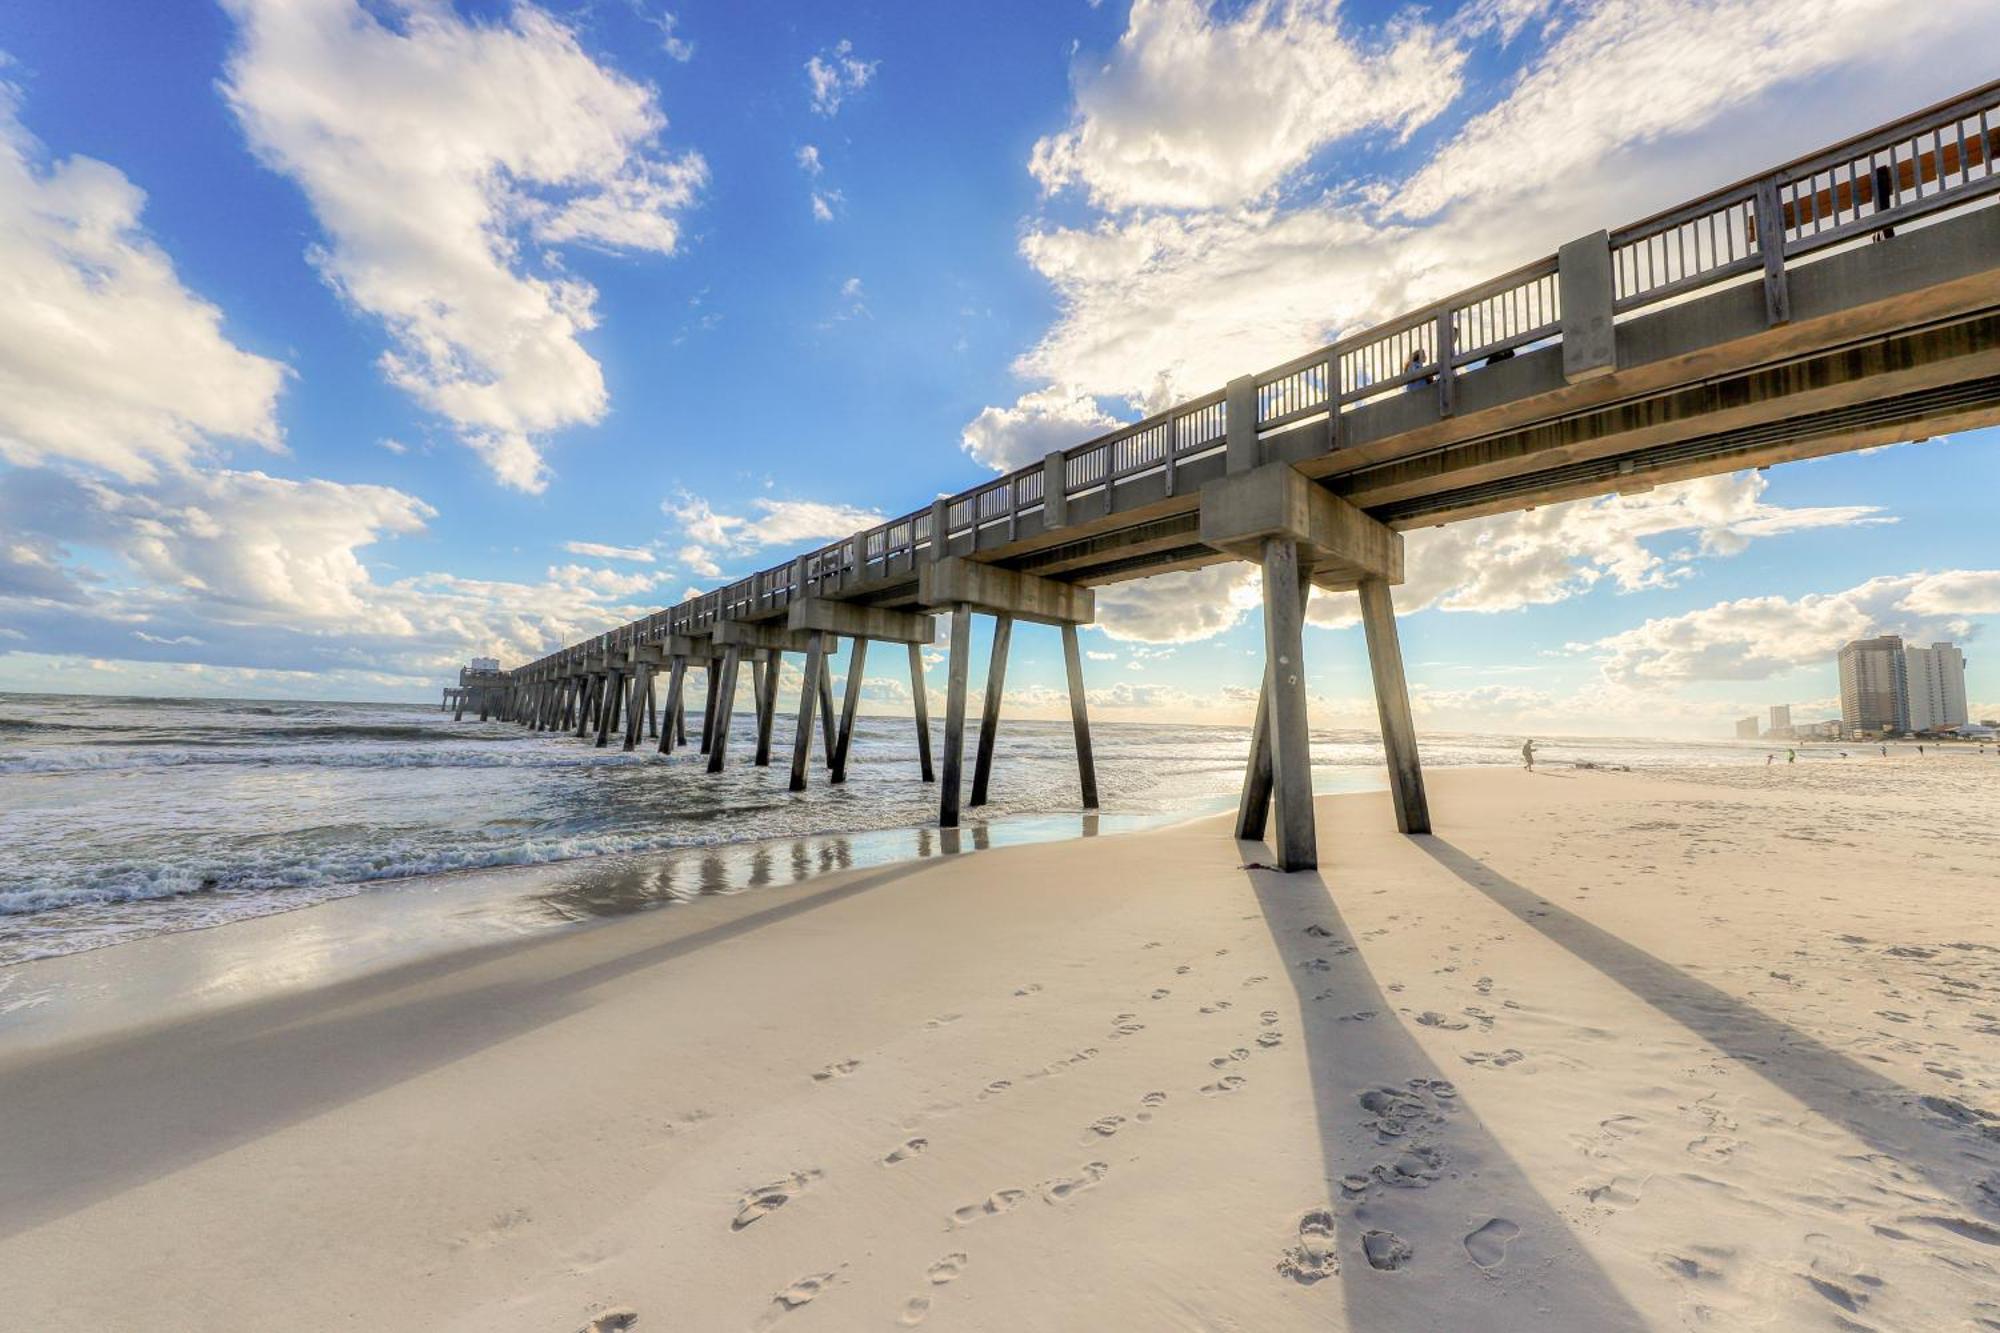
[
  {"x": 443, "y": 157},
  {"x": 105, "y": 358}
]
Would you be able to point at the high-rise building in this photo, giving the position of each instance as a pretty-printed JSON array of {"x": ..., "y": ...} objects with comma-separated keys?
[
  {"x": 1781, "y": 722},
  {"x": 1874, "y": 685},
  {"x": 1746, "y": 728},
  {"x": 1936, "y": 679}
]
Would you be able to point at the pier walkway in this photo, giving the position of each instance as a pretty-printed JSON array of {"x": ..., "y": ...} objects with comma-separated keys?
[{"x": 1840, "y": 301}]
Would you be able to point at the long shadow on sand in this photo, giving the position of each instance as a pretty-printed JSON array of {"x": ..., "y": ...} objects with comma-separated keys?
[
  {"x": 1407, "y": 1157},
  {"x": 80, "y": 1125},
  {"x": 1940, "y": 1139}
]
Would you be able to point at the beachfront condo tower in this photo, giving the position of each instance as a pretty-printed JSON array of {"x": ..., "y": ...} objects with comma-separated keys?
[
  {"x": 1874, "y": 688},
  {"x": 1936, "y": 677}
]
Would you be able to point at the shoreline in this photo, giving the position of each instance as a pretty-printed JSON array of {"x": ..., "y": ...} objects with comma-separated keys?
[{"x": 1611, "y": 1050}]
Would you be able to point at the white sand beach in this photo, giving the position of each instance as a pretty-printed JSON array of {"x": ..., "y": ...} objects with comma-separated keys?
[{"x": 1709, "y": 1050}]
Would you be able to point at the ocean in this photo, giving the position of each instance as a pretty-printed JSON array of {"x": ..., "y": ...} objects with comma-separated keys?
[{"x": 122, "y": 818}]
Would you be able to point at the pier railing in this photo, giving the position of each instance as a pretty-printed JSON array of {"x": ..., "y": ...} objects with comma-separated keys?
[{"x": 1936, "y": 160}]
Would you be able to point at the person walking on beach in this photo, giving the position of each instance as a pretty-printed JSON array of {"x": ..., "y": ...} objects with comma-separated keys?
[
  {"x": 1885, "y": 752},
  {"x": 1770, "y": 759},
  {"x": 1791, "y": 756},
  {"x": 1528, "y": 753}
]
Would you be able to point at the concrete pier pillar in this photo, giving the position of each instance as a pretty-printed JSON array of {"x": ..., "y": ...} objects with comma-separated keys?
[
  {"x": 826, "y": 718},
  {"x": 635, "y": 721},
  {"x": 1392, "y": 704},
  {"x": 989, "y": 713},
  {"x": 458, "y": 710},
  {"x": 954, "y": 715},
  {"x": 1291, "y": 758},
  {"x": 612, "y": 691},
  {"x": 850, "y": 703},
  {"x": 652, "y": 706},
  {"x": 676, "y": 679},
  {"x": 708, "y": 708},
  {"x": 725, "y": 703},
  {"x": 1254, "y": 806},
  {"x": 586, "y": 700},
  {"x": 768, "y": 677},
  {"x": 1079, "y": 716},
  {"x": 802, "y": 738},
  {"x": 921, "y": 696}
]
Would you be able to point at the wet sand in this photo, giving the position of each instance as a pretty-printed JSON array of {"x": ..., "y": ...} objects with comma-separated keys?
[{"x": 1716, "y": 1049}]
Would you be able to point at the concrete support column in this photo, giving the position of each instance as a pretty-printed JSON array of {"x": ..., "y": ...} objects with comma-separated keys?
[
  {"x": 635, "y": 721},
  {"x": 989, "y": 714},
  {"x": 802, "y": 738},
  {"x": 767, "y": 704},
  {"x": 1392, "y": 703},
  {"x": 708, "y": 708},
  {"x": 954, "y": 715},
  {"x": 1284, "y": 653},
  {"x": 652, "y": 706},
  {"x": 1254, "y": 806},
  {"x": 826, "y": 717},
  {"x": 850, "y": 704},
  {"x": 1240, "y": 451},
  {"x": 725, "y": 704},
  {"x": 676, "y": 679},
  {"x": 607, "y": 708},
  {"x": 1086, "y": 764},
  {"x": 586, "y": 698},
  {"x": 921, "y": 695}
]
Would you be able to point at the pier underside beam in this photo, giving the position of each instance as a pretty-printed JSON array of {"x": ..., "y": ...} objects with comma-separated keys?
[{"x": 957, "y": 582}]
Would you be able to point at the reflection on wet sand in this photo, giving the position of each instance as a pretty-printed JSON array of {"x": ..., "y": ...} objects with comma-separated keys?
[{"x": 616, "y": 886}]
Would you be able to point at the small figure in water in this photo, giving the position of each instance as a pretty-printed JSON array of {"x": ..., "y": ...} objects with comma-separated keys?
[
  {"x": 1791, "y": 756},
  {"x": 1920, "y": 749},
  {"x": 1528, "y": 753},
  {"x": 1770, "y": 759},
  {"x": 1885, "y": 752}
]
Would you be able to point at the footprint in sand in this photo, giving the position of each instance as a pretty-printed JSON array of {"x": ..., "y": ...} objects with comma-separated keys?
[
  {"x": 915, "y": 1311},
  {"x": 1227, "y": 1083},
  {"x": 612, "y": 1321},
  {"x": 1386, "y": 1250},
  {"x": 1215, "y": 1006},
  {"x": 941, "y": 1020},
  {"x": 948, "y": 1268},
  {"x": 1493, "y": 1059},
  {"x": 996, "y": 1203},
  {"x": 995, "y": 1088},
  {"x": 1315, "y": 1256},
  {"x": 909, "y": 1149},
  {"x": 770, "y": 1198},
  {"x": 1269, "y": 1039},
  {"x": 1160, "y": 994},
  {"x": 1617, "y": 1192},
  {"x": 1431, "y": 1018},
  {"x": 1319, "y": 932},
  {"x": 1254, "y": 981},
  {"x": 1358, "y": 1016},
  {"x": 1268, "y": 1017},
  {"x": 1029, "y": 989},
  {"x": 1224, "y": 1061},
  {"x": 1151, "y": 1101},
  {"x": 1487, "y": 1244},
  {"x": 1062, "y": 1187},
  {"x": 1105, "y": 1126},
  {"x": 801, "y": 1292},
  {"x": 838, "y": 1070},
  {"x": 1182, "y": 970}
]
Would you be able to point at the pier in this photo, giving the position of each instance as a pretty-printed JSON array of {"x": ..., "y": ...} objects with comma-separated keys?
[{"x": 1841, "y": 301}]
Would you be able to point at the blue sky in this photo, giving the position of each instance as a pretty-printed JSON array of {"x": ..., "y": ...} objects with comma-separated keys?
[{"x": 350, "y": 340}]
